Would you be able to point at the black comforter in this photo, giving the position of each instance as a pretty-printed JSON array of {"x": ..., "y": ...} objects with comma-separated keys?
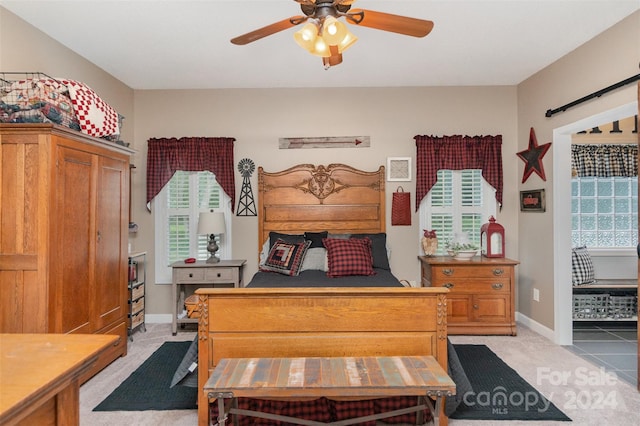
[{"x": 317, "y": 278}]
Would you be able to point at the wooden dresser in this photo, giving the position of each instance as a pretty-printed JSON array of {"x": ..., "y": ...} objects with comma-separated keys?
[
  {"x": 64, "y": 204},
  {"x": 482, "y": 292}
]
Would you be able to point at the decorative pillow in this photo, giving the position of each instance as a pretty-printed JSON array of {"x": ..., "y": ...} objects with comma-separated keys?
[
  {"x": 339, "y": 236},
  {"x": 349, "y": 256},
  {"x": 289, "y": 238},
  {"x": 286, "y": 258},
  {"x": 265, "y": 251},
  {"x": 581, "y": 267},
  {"x": 378, "y": 249},
  {"x": 316, "y": 258},
  {"x": 315, "y": 238}
]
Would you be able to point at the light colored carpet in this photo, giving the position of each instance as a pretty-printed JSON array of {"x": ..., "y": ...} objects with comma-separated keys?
[{"x": 581, "y": 390}]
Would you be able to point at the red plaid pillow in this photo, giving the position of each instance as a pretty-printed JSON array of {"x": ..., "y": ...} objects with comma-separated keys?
[{"x": 349, "y": 256}]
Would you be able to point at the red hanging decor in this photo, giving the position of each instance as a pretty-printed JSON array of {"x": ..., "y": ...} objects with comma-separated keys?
[{"x": 533, "y": 157}]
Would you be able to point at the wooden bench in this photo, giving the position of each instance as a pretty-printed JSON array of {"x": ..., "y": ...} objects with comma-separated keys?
[{"x": 339, "y": 378}]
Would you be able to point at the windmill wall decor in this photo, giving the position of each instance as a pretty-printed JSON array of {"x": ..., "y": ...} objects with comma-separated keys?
[{"x": 246, "y": 205}]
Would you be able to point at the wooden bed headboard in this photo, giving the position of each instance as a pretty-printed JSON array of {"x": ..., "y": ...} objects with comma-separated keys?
[{"x": 308, "y": 198}]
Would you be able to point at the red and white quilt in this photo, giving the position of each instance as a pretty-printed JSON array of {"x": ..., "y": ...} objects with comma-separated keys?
[{"x": 96, "y": 117}]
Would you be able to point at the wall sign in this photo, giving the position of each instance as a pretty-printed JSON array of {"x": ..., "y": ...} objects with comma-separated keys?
[{"x": 532, "y": 201}]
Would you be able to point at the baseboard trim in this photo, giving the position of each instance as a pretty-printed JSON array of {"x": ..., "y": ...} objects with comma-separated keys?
[
  {"x": 535, "y": 326},
  {"x": 158, "y": 318}
]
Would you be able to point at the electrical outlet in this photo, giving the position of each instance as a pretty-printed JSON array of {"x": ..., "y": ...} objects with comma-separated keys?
[{"x": 536, "y": 295}]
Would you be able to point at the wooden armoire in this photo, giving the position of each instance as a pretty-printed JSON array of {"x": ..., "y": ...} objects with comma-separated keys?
[{"x": 64, "y": 214}]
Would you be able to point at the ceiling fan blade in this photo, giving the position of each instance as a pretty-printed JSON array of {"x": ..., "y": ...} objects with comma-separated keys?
[
  {"x": 268, "y": 30},
  {"x": 387, "y": 22}
]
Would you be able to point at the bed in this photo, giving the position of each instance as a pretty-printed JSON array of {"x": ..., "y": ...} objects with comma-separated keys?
[{"x": 307, "y": 313}]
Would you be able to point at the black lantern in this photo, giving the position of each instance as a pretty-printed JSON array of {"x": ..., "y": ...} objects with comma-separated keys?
[{"x": 492, "y": 239}]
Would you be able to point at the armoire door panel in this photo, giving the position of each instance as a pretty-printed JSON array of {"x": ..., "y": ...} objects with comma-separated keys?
[
  {"x": 111, "y": 264},
  {"x": 73, "y": 241}
]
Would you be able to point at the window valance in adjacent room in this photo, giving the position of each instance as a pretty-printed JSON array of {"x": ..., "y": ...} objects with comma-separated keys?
[
  {"x": 604, "y": 160},
  {"x": 457, "y": 153},
  {"x": 167, "y": 155}
]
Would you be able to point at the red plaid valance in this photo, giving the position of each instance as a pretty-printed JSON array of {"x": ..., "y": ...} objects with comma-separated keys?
[
  {"x": 167, "y": 155},
  {"x": 457, "y": 153}
]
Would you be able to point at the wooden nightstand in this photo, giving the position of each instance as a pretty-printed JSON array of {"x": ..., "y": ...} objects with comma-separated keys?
[
  {"x": 481, "y": 297},
  {"x": 226, "y": 273}
]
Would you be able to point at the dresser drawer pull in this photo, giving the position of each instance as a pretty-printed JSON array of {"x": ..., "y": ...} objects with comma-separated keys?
[
  {"x": 447, "y": 285},
  {"x": 190, "y": 275},
  {"x": 476, "y": 307},
  {"x": 498, "y": 272},
  {"x": 447, "y": 271},
  {"x": 219, "y": 274},
  {"x": 497, "y": 286}
]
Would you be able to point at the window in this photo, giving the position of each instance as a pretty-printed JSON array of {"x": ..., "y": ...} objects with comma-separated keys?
[
  {"x": 604, "y": 212},
  {"x": 460, "y": 201},
  {"x": 177, "y": 207}
]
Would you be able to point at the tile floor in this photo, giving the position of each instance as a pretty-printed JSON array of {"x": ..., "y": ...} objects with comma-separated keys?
[{"x": 612, "y": 345}]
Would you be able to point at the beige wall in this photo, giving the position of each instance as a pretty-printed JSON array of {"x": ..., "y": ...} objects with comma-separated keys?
[
  {"x": 390, "y": 116},
  {"x": 611, "y": 57}
]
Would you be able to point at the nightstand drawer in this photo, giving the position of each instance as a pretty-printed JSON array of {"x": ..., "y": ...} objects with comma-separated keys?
[
  {"x": 450, "y": 271},
  {"x": 483, "y": 285},
  {"x": 221, "y": 274},
  {"x": 190, "y": 274}
]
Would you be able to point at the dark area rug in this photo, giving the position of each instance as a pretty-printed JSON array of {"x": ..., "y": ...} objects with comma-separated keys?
[
  {"x": 148, "y": 388},
  {"x": 499, "y": 393}
]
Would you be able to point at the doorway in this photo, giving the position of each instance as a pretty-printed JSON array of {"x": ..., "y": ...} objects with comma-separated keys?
[
  {"x": 563, "y": 333},
  {"x": 561, "y": 149}
]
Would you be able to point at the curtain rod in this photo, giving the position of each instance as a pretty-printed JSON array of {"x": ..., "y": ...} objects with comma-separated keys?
[{"x": 597, "y": 94}]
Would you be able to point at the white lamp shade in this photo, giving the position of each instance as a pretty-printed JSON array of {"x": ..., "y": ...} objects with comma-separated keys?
[{"x": 211, "y": 223}]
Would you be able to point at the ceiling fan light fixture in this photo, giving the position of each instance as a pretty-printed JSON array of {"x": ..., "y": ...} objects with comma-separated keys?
[
  {"x": 333, "y": 31},
  {"x": 348, "y": 41},
  {"x": 306, "y": 36},
  {"x": 320, "y": 48}
]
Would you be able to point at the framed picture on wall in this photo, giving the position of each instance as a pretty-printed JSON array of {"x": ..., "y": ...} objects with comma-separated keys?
[
  {"x": 532, "y": 200},
  {"x": 399, "y": 169}
]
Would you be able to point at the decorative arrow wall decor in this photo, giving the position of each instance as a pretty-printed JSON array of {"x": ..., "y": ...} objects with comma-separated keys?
[{"x": 326, "y": 142}]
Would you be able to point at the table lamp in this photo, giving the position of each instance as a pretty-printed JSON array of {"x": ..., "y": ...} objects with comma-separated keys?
[{"x": 211, "y": 223}]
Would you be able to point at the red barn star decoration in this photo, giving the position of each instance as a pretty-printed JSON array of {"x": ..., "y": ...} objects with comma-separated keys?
[{"x": 533, "y": 157}]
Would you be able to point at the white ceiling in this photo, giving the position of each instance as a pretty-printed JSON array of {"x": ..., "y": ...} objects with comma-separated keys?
[{"x": 182, "y": 44}]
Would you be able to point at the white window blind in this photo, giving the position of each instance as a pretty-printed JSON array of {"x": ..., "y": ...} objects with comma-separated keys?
[
  {"x": 460, "y": 201},
  {"x": 177, "y": 208}
]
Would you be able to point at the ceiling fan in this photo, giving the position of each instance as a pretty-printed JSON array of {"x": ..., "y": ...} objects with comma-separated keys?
[{"x": 325, "y": 36}]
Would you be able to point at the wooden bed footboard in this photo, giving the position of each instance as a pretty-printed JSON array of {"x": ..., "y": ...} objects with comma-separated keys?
[{"x": 317, "y": 322}]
